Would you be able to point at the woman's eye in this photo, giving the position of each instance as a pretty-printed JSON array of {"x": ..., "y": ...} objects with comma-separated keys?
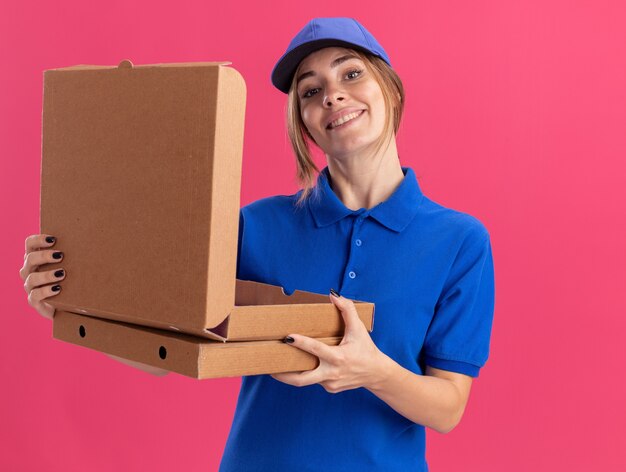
[
  {"x": 309, "y": 93},
  {"x": 353, "y": 74}
]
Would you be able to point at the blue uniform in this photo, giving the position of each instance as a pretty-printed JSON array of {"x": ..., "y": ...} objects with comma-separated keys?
[{"x": 429, "y": 271}]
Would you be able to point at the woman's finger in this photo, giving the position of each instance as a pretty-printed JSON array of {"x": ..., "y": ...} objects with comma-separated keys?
[
  {"x": 37, "y": 295},
  {"x": 37, "y": 279},
  {"x": 348, "y": 312},
  {"x": 36, "y": 258},
  {"x": 301, "y": 379},
  {"x": 312, "y": 346},
  {"x": 38, "y": 241}
]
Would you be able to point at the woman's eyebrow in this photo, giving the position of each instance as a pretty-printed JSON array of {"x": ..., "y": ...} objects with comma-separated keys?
[{"x": 333, "y": 64}]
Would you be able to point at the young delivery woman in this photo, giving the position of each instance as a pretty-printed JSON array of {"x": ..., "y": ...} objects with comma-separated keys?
[{"x": 362, "y": 226}]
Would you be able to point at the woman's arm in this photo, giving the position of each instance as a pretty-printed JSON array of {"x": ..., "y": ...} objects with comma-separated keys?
[{"x": 436, "y": 400}]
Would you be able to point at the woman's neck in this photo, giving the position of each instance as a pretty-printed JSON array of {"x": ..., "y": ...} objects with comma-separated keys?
[{"x": 364, "y": 182}]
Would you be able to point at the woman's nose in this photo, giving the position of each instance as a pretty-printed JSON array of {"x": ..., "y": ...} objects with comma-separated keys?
[{"x": 332, "y": 97}]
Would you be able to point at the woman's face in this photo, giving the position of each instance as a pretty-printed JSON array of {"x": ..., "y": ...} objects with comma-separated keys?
[{"x": 341, "y": 103}]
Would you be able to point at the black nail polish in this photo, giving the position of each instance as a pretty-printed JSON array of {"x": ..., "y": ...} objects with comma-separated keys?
[
  {"x": 57, "y": 255},
  {"x": 59, "y": 273},
  {"x": 334, "y": 293},
  {"x": 50, "y": 239},
  {"x": 56, "y": 288},
  {"x": 288, "y": 340}
]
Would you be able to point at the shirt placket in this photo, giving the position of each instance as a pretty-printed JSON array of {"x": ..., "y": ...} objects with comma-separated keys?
[{"x": 354, "y": 266}]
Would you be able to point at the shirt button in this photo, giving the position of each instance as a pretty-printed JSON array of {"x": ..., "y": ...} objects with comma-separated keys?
[
  {"x": 352, "y": 275},
  {"x": 358, "y": 242}
]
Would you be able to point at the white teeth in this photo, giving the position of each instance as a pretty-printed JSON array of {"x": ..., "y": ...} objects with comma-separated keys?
[{"x": 344, "y": 119}]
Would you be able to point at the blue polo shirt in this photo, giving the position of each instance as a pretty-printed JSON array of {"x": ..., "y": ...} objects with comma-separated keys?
[{"x": 429, "y": 271}]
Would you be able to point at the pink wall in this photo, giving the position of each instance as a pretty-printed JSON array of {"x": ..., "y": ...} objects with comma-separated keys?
[{"x": 516, "y": 113}]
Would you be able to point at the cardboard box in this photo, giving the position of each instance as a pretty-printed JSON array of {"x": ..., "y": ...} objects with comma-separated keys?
[
  {"x": 188, "y": 355},
  {"x": 140, "y": 182}
]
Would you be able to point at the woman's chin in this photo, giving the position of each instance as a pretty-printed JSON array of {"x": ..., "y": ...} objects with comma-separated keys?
[{"x": 349, "y": 149}]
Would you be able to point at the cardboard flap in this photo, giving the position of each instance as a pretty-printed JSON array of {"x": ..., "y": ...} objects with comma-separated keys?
[
  {"x": 256, "y": 293},
  {"x": 264, "y": 311}
]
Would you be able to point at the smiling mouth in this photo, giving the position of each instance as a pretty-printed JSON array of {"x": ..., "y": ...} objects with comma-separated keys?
[{"x": 344, "y": 119}]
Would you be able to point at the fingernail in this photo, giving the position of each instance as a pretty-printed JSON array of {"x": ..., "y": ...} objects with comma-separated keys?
[
  {"x": 288, "y": 340},
  {"x": 334, "y": 293},
  {"x": 56, "y": 288},
  {"x": 50, "y": 239},
  {"x": 59, "y": 273},
  {"x": 57, "y": 255}
]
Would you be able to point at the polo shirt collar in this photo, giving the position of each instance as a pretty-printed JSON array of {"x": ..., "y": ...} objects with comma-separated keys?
[{"x": 395, "y": 213}]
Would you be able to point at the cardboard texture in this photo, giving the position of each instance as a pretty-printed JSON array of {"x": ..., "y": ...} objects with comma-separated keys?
[
  {"x": 186, "y": 355},
  {"x": 140, "y": 182}
]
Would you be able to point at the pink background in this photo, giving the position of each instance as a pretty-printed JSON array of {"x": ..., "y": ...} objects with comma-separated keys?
[{"x": 516, "y": 113}]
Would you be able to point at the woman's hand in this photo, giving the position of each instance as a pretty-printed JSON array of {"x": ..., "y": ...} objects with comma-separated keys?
[
  {"x": 41, "y": 285},
  {"x": 355, "y": 362}
]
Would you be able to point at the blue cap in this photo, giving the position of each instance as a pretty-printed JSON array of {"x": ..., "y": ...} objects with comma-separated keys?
[{"x": 322, "y": 33}]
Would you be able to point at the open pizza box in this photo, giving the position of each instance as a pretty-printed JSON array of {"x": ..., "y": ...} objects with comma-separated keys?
[{"x": 140, "y": 183}]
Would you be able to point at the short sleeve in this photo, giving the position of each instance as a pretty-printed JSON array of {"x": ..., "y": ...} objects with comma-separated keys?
[{"x": 458, "y": 337}]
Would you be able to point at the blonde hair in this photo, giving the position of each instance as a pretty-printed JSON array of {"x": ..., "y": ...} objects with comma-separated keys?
[{"x": 393, "y": 94}]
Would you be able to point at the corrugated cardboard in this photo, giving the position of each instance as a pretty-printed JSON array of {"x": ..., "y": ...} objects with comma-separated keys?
[
  {"x": 141, "y": 174},
  {"x": 187, "y": 355}
]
